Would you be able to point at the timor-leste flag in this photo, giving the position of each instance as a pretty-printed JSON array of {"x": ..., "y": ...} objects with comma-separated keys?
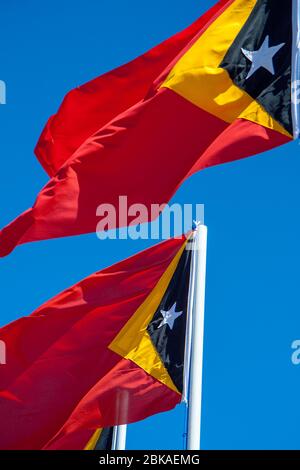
[
  {"x": 109, "y": 350},
  {"x": 102, "y": 439},
  {"x": 218, "y": 91}
]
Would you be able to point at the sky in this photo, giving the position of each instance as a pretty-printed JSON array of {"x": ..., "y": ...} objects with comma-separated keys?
[{"x": 250, "y": 385}]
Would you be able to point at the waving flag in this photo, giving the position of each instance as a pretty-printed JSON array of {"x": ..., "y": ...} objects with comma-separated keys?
[
  {"x": 91, "y": 106},
  {"x": 110, "y": 350},
  {"x": 101, "y": 440},
  {"x": 225, "y": 94}
]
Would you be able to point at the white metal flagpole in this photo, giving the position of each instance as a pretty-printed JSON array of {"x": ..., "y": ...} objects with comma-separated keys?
[
  {"x": 119, "y": 437},
  {"x": 296, "y": 67},
  {"x": 197, "y": 339}
]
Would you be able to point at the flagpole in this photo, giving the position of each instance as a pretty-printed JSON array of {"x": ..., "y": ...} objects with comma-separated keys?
[
  {"x": 197, "y": 338},
  {"x": 296, "y": 67},
  {"x": 119, "y": 437}
]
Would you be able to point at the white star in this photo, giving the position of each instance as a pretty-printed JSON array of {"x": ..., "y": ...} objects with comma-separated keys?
[
  {"x": 263, "y": 57},
  {"x": 169, "y": 316}
]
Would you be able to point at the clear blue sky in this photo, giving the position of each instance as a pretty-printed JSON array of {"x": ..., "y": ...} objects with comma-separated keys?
[{"x": 251, "y": 388}]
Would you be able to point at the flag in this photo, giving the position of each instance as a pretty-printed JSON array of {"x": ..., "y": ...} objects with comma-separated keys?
[
  {"x": 109, "y": 350},
  {"x": 101, "y": 440},
  {"x": 89, "y": 107},
  {"x": 224, "y": 96}
]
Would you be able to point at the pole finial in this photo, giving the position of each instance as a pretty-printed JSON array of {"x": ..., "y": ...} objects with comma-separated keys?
[{"x": 196, "y": 224}]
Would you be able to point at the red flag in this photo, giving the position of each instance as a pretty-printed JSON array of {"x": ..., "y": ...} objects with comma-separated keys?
[
  {"x": 209, "y": 105},
  {"x": 89, "y": 107},
  {"x": 100, "y": 353}
]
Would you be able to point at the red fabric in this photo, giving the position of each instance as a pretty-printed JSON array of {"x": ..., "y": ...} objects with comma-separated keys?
[
  {"x": 58, "y": 360},
  {"x": 239, "y": 140},
  {"x": 145, "y": 154},
  {"x": 125, "y": 382},
  {"x": 89, "y": 107}
]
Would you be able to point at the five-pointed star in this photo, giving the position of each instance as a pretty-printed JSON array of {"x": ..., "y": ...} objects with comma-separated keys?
[
  {"x": 169, "y": 316},
  {"x": 263, "y": 57}
]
